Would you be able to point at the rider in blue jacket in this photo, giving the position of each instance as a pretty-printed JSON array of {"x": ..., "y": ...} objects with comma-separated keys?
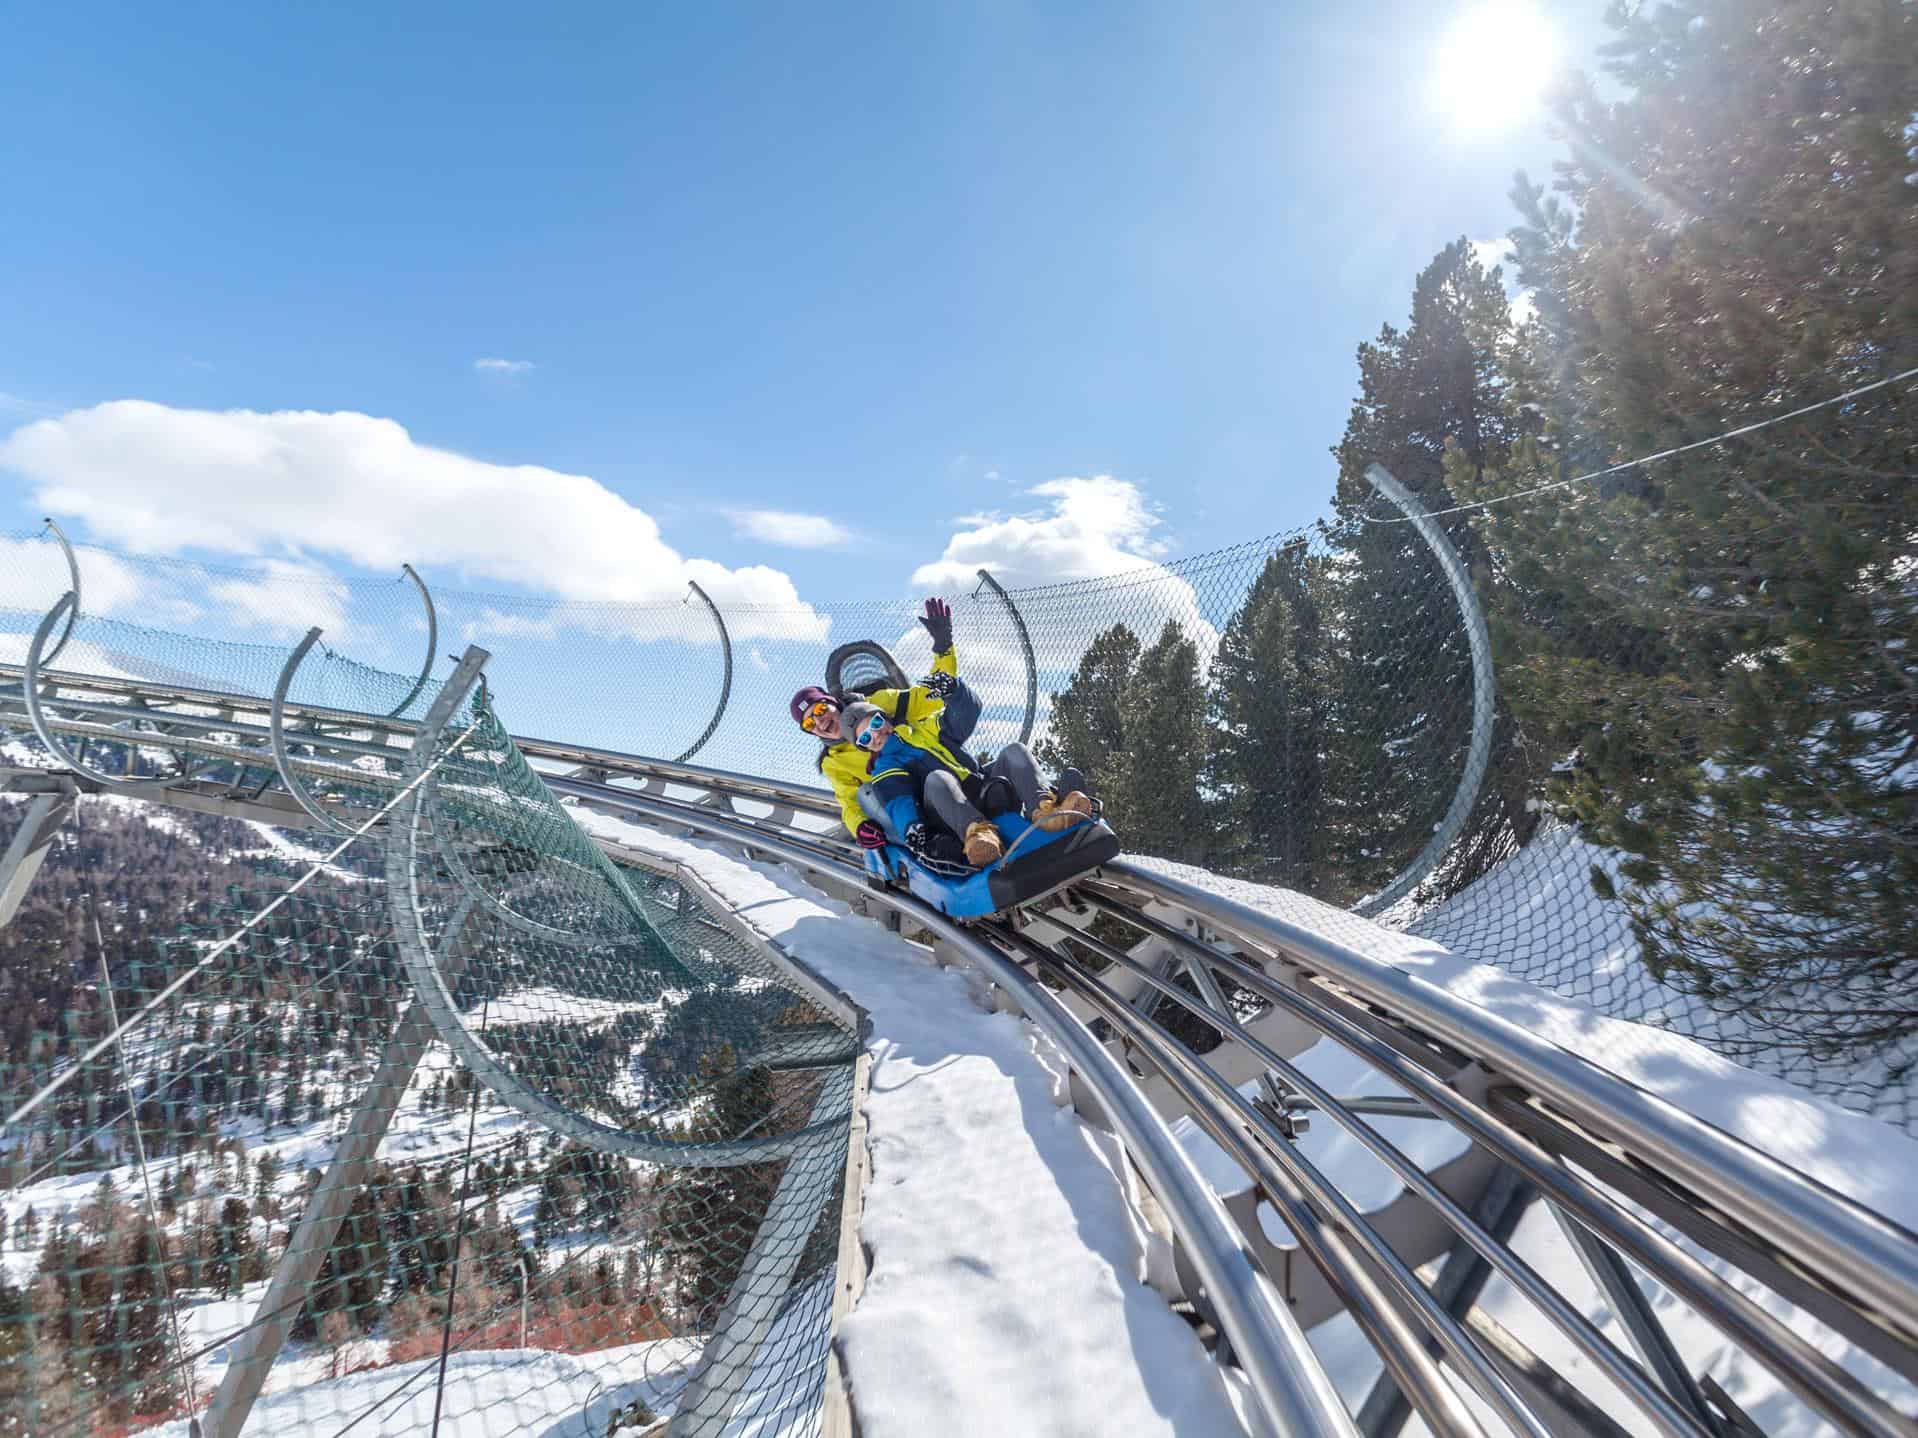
[{"x": 909, "y": 768}]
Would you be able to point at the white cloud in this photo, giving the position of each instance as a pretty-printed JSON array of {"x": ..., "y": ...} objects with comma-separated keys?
[
  {"x": 1492, "y": 252},
  {"x": 1524, "y": 308},
  {"x": 790, "y": 530},
  {"x": 1095, "y": 527},
  {"x": 155, "y": 479},
  {"x": 502, "y": 366},
  {"x": 286, "y": 596},
  {"x": 33, "y": 575}
]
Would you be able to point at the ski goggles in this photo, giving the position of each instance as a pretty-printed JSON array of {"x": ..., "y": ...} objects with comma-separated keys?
[
  {"x": 818, "y": 709},
  {"x": 869, "y": 731}
]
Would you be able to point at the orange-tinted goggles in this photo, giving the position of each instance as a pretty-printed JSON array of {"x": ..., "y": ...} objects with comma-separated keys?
[{"x": 820, "y": 707}]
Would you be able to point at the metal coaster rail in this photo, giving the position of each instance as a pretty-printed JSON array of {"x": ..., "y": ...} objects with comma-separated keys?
[{"x": 1601, "y": 1151}]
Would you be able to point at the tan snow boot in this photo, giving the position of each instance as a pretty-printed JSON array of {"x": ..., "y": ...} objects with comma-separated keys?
[
  {"x": 983, "y": 846},
  {"x": 1050, "y": 815}
]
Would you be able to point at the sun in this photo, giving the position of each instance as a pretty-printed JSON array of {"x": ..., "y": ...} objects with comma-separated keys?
[{"x": 1492, "y": 65}]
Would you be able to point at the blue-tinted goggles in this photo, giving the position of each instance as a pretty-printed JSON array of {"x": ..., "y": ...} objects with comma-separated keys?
[{"x": 869, "y": 731}]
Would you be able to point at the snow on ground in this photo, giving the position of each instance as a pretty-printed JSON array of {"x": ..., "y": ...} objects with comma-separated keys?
[
  {"x": 1005, "y": 1293},
  {"x": 514, "y": 1391},
  {"x": 1535, "y": 916},
  {"x": 1857, "y": 1156}
]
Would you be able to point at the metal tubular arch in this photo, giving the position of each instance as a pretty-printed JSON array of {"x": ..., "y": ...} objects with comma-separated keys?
[
  {"x": 1025, "y": 648},
  {"x": 68, "y": 603},
  {"x": 432, "y": 642},
  {"x": 726, "y": 679},
  {"x": 73, "y": 577},
  {"x": 403, "y": 861},
  {"x": 1484, "y": 694},
  {"x": 282, "y": 758}
]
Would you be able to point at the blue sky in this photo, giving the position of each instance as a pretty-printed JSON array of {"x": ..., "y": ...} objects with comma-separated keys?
[{"x": 892, "y": 267}]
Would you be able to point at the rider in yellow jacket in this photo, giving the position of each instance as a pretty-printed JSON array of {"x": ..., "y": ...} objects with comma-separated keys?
[
  {"x": 920, "y": 707},
  {"x": 928, "y": 724}
]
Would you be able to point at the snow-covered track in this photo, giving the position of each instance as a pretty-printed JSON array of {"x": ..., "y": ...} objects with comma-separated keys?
[{"x": 1177, "y": 990}]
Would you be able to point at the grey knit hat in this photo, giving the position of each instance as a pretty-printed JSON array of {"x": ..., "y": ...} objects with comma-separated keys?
[{"x": 855, "y": 717}]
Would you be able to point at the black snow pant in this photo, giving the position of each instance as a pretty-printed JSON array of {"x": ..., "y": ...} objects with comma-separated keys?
[{"x": 950, "y": 802}]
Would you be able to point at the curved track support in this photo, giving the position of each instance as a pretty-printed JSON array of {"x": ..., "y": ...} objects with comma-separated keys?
[
  {"x": 73, "y": 578},
  {"x": 282, "y": 759},
  {"x": 986, "y": 581},
  {"x": 405, "y": 858},
  {"x": 726, "y": 680},
  {"x": 1288, "y": 1381},
  {"x": 1484, "y": 694},
  {"x": 69, "y": 605},
  {"x": 432, "y": 643}
]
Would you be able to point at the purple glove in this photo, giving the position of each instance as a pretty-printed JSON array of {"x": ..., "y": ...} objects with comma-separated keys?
[
  {"x": 938, "y": 622},
  {"x": 870, "y": 836}
]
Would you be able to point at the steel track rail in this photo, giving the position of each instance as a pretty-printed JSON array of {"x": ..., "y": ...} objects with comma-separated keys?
[
  {"x": 1311, "y": 1210},
  {"x": 1293, "y": 1389},
  {"x": 1373, "y": 1008}
]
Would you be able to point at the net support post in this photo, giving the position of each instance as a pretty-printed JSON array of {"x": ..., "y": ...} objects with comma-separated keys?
[
  {"x": 306, "y": 1249},
  {"x": 726, "y": 677},
  {"x": 73, "y": 583},
  {"x": 1484, "y": 693},
  {"x": 1612, "y": 1278},
  {"x": 282, "y": 757},
  {"x": 69, "y": 605},
  {"x": 986, "y": 581},
  {"x": 27, "y": 851},
  {"x": 432, "y": 642},
  {"x": 706, "y": 1402}
]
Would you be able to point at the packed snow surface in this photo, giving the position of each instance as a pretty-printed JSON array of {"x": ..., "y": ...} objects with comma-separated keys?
[{"x": 1005, "y": 1293}]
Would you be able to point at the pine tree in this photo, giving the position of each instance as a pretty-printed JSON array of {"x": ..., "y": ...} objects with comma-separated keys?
[
  {"x": 1433, "y": 404},
  {"x": 1155, "y": 800},
  {"x": 1086, "y": 727},
  {"x": 1725, "y": 643},
  {"x": 1270, "y": 703},
  {"x": 145, "y": 1320},
  {"x": 710, "y": 1216}
]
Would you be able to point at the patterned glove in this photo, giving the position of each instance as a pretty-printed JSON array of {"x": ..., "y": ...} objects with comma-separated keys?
[
  {"x": 941, "y": 853},
  {"x": 870, "y": 835},
  {"x": 940, "y": 684},
  {"x": 938, "y": 622}
]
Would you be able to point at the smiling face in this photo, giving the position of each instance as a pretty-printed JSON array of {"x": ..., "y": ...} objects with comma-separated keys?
[
  {"x": 873, "y": 734},
  {"x": 826, "y": 725}
]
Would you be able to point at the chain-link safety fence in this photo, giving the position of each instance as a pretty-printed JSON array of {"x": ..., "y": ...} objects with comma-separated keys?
[
  {"x": 1686, "y": 797},
  {"x": 451, "y": 1126}
]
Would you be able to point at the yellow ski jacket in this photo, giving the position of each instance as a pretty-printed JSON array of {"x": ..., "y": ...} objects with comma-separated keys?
[{"x": 914, "y": 713}]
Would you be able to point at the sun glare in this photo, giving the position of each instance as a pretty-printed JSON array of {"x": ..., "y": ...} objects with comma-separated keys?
[{"x": 1493, "y": 64}]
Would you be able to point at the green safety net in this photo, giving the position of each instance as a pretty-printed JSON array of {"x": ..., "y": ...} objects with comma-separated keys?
[{"x": 488, "y": 1264}]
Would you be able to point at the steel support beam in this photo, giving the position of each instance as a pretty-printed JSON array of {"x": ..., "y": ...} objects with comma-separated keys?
[
  {"x": 326, "y": 1209},
  {"x": 1461, "y": 1280},
  {"x": 1616, "y": 1281},
  {"x": 27, "y": 850}
]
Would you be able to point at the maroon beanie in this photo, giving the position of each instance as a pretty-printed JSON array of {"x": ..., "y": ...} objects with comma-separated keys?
[{"x": 807, "y": 697}]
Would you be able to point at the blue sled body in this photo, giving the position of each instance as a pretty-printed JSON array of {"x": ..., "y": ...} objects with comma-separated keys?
[{"x": 1035, "y": 864}]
